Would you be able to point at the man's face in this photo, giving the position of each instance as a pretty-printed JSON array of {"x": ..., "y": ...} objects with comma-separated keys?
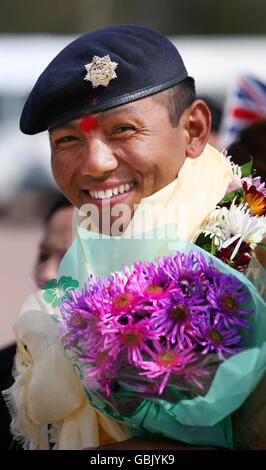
[{"x": 129, "y": 153}]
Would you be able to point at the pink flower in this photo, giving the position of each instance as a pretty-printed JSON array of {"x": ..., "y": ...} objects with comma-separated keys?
[
  {"x": 165, "y": 361},
  {"x": 124, "y": 302},
  {"x": 130, "y": 337},
  {"x": 259, "y": 185},
  {"x": 100, "y": 367},
  {"x": 154, "y": 292},
  {"x": 149, "y": 282}
]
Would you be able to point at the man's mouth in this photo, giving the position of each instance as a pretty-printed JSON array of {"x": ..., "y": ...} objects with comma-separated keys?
[{"x": 111, "y": 192}]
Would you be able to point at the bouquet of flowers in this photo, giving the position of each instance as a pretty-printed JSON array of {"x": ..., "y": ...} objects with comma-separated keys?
[
  {"x": 169, "y": 346},
  {"x": 169, "y": 341},
  {"x": 238, "y": 224},
  {"x": 171, "y": 323}
]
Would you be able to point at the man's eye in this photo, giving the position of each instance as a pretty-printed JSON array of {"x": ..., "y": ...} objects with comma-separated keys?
[
  {"x": 66, "y": 139},
  {"x": 123, "y": 129},
  {"x": 43, "y": 257}
]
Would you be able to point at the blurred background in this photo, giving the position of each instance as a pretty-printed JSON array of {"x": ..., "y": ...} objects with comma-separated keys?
[{"x": 223, "y": 44}]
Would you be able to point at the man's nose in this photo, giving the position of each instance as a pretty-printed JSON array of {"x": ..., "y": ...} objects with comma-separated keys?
[{"x": 97, "y": 158}]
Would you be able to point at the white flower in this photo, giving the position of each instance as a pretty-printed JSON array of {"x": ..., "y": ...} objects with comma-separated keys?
[
  {"x": 236, "y": 181},
  {"x": 244, "y": 227},
  {"x": 217, "y": 226},
  {"x": 227, "y": 225},
  {"x": 236, "y": 169}
]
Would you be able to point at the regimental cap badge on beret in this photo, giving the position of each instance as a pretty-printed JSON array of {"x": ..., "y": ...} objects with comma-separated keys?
[{"x": 100, "y": 71}]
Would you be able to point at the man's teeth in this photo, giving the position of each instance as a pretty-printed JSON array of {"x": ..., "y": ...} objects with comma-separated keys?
[{"x": 111, "y": 192}]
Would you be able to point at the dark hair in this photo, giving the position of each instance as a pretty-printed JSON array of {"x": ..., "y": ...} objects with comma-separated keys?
[
  {"x": 60, "y": 202},
  {"x": 177, "y": 98}
]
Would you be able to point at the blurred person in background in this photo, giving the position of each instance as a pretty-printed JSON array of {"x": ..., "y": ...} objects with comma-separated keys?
[
  {"x": 251, "y": 142},
  {"x": 57, "y": 237}
]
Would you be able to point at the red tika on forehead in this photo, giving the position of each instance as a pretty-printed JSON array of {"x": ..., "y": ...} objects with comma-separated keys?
[{"x": 88, "y": 123}]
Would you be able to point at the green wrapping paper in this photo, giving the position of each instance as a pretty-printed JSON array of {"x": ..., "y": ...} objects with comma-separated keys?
[
  {"x": 155, "y": 417},
  {"x": 203, "y": 420}
]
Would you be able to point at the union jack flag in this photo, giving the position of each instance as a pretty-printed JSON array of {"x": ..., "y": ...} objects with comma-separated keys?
[{"x": 245, "y": 104}]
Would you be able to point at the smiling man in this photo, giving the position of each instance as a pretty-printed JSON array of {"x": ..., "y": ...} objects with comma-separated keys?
[
  {"x": 123, "y": 119},
  {"x": 124, "y": 159},
  {"x": 125, "y": 129}
]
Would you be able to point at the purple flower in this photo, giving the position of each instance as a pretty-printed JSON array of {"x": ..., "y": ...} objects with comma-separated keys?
[
  {"x": 76, "y": 321},
  {"x": 156, "y": 274},
  {"x": 216, "y": 338},
  {"x": 177, "y": 317},
  {"x": 100, "y": 367},
  {"x": 156, "y": 320},
  {"x": 83, "y": 313},
  {"x": 259, "y": 185},
  {"x": 131, "y": 337},
  {"x": 186, "y": 273},
  {"x": 225, "y": 296},
  {"x": 207, "y": 268},
  {"x": 166, "y": 360},
  {"x": 193, "y": 373},
  {"x": 122, "y": 300},
  {"x": 149, "y": 282}
]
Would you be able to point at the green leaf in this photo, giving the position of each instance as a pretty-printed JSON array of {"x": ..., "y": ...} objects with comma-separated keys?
[
  {"x": 246, "y": 169},
  {"x": 229, "y": 197},
  {"x": 204, "y": 242},
  {"x": 213, "y": 247}
]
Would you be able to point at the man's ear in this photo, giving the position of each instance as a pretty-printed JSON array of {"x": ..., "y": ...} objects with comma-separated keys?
[{"x": 198, "y": 124}]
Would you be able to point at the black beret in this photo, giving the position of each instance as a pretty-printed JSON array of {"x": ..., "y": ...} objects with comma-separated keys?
[{"x": 99, "y": 71}]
